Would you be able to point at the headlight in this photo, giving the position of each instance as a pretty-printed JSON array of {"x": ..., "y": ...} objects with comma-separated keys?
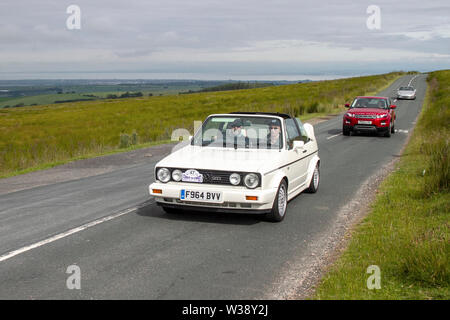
[
  {"x": 251, "y": 180},
  {"x": 176, "y": 175},
  {"x": 382, "y": 116},
  {"x": 163, "y": 175},
  {"x": 235, "y": 179},
  {"x": 349, "y": 115}
]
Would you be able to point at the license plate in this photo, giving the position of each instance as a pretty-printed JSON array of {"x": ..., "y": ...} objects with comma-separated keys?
[
  {"x": 201, "y": 196},
  {"x": 364, "y": 122}
]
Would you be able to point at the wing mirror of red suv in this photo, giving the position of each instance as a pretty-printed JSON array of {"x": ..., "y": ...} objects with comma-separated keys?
[
  {"x": 393, "y": 106},
  {"x": 347, "y": 105}
]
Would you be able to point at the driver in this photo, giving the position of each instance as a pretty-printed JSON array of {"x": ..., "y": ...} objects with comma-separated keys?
[
  {"x": 381, "y": 104},
  {"x": 274, "y": 137}
]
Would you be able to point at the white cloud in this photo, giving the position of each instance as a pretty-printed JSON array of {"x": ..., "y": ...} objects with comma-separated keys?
[
  {"x": 293, "y": 50},
  {"x": 440, "y": 32}
]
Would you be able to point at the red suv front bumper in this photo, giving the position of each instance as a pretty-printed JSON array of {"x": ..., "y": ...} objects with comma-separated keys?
[{"x": 356, "y": 123}]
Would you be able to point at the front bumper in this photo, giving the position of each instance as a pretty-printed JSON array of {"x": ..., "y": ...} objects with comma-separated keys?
[
  {"x": 376, "y": 125},
  {"x": 233, "y": 198},
  {"x": 406, "y": 97},
  {"x": 367, "y": 128}
]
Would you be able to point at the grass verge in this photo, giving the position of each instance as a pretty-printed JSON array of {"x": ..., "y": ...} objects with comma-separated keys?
[
  {"x": 85, "y": 156},
  {"x": 406, "y": 234}
]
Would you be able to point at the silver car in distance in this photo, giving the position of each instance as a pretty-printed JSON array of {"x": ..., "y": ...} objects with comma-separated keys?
[{"x": 408, "y": 93}]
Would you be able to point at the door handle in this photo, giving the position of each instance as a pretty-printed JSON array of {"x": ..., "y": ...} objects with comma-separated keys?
[{"x": 304, "y": 151}]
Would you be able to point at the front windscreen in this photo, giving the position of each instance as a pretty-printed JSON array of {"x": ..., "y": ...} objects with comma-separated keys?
[
  {"x": 369, "y": 103},
  {"x": 236, "y": 131}
]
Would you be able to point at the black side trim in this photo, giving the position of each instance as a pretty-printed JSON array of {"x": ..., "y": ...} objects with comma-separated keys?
[{"x": 291, "y": 163}]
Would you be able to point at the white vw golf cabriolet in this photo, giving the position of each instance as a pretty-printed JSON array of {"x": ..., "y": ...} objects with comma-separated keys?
[{"x": 249, "y": 162}]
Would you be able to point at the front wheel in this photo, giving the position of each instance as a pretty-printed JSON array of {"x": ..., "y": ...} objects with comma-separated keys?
[
  {"x": 388, "y": 132},
  {"x": 279, "y": 204},
  {"x": 314, "y": 184}
]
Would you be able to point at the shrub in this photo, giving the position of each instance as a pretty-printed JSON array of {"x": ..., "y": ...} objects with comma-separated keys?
[
  {"x": 134, "y": 138},
  {"x": 124, "y": 141},
  {"x": 313, "y": 107}
]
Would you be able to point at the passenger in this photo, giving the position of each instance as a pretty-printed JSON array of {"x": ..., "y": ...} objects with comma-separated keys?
[
  {"x": 360, "y": 103},
  {"x": 238, "y": 137}
]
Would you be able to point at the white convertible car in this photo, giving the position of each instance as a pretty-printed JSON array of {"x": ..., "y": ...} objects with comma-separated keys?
[{"x": 248, "y": 162}]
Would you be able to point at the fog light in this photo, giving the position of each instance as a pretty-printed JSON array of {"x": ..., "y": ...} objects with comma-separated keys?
[
  {"x": 235, "y": 179},
  {"x": 176, "y": 175}
]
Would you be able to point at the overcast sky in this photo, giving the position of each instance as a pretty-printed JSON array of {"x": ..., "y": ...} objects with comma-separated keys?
[{"x": 253, "y": 37}]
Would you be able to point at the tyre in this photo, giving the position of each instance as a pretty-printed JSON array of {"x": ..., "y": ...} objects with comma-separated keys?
[
  {"x": 393, "y": 128},
  {"x": 315, "y": 179},
  {"x": 388, "y": 133},
  {"x": 346, "y": 132},
  {"x": 279, "y": 204}
]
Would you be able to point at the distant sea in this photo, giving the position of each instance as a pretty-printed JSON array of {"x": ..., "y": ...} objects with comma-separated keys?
[{"x": 167, "y": 76}]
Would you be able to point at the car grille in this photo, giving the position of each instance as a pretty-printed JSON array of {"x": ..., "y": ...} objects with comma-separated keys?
[
  {"x": 216, "y": 176},
  {"x": 364, "y": 127},
  {"x": 365, "y": 116}
]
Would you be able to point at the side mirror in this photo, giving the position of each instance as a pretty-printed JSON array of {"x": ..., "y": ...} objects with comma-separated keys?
[
  {"x": 393, "y": 106},
  {"x": 298, "y": 144},
  {"x": 347, "y": 105}
]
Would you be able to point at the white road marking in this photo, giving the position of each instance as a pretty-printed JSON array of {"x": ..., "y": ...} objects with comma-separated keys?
[
  {"x": 412, "y": 79},
  {"x": 334, "y": 136},
  {"x": 401, "y": 131},
  {"x": 66, "y": 234}
]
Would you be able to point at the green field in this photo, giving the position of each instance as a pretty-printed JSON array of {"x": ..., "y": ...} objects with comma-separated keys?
[
  {"x": 43, "y": 99},
  {"x": 18, "y": 93},
  {"x": 33, "y": 137},
  {"x": 406, "y": 234}
]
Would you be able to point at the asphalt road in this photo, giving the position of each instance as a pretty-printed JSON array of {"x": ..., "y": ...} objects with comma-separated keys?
[{"x": 146, "y": 254}]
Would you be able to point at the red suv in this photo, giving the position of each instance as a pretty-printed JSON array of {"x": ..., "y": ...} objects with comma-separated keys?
[{"x": 374, "y": 114}]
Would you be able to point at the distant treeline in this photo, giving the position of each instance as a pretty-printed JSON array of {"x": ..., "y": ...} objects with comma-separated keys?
[
  {"x": 125, "y": 95},
  {"x": 232, "y": 86},
  {"x": 72, "y": 100}
]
